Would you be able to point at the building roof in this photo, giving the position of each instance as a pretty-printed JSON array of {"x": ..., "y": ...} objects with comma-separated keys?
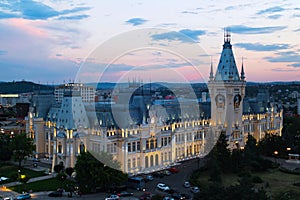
[{"x": 227, "y": 69}]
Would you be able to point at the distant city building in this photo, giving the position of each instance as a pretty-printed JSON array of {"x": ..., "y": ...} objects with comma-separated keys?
[
  {"x": 9, "y": 100},
  {"x": 162, "y": 130},
  {"x": 87, "y": 92},
  {"x": 298, "y": 106},
  {"x": 295, "y": 94},
  {"x": 203, "y": 96}
]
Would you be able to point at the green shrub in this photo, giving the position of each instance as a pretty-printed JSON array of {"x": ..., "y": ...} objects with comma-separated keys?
[{"x": 257, "y": 179}]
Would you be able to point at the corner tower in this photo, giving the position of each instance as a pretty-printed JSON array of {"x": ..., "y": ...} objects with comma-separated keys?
[{"x": 227, "y": 90}]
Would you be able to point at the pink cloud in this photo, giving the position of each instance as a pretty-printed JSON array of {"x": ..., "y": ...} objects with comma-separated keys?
[{"x": 29, "y": 26}]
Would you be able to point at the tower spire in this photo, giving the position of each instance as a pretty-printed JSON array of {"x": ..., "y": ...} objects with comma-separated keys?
[
  {"x": 226, "y": 35},
  {"x": 242, "y": 71},
  {"x": 211, "y": 75}
]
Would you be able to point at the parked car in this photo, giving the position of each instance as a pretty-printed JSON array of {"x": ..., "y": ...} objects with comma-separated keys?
[
  {"x": 112, "y": 197},
  {"x": 185, "y": 196},
  {"x": 168, "y": 198},
  {"x": 177, "y": 196},
  {"x": 125, "y": 194},
  {"x": 186, "y": 184},
  {"x": 195, "y": 189},
  {"x": 173, "y": 170},
  {"x": 158, "y": 174},
  {"x": 8, "y": 198},
  {"x": 163, "y": 187},
  {"x": 149, "y": 178},
  {"x": 167, "y": 172},
  {"x": 145, "y": 196},
  {"x": 55, "y": 194},
  {"x": 24, "y": 196}
]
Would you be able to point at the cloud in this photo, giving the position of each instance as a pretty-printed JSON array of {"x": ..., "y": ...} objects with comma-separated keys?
[
  {"x": 288, "y": 56},
  {"x": 4, "y": 15},
  {"x": 136, "y": 21},
  {"x": 241, "y": 29},
  {"x": 34, "y": 10},
  {"x": 284, "y": 70},
  {"x": 75, "y": 17},
  {"x": 262, "y": 47},
  {"x": 295, "y": 64},
  {"x": 2, "y": 52},
  {"x": 184, "y": 35},
  {"x": 274, "y": 9},
  {"x": 274, "y": 16},
  {"x": 189, "y": 12}
]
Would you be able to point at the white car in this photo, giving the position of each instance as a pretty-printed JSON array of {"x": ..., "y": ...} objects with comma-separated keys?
[
  {"x": 163, "y": 187},
  {"x": 195, "y": 190},
  {"x": 187, "y": 184},
  {"x": 112, "y": 197},
  {"x": 168, "y": 198}
]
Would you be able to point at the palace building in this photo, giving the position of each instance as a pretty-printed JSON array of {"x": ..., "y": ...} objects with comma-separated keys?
[{"x": 149, "y": 141}]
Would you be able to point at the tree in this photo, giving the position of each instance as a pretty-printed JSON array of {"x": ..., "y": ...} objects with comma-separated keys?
[
  {"x": 5, "y": 150},
  {"x": 21, "y": 146},
  {"x": 59, "y": 168},
  {"x": 221, "y": 154},
  {"x": 88, "y": 166},
  {"x": 271, "y": 143},
  {"x": 69, "y": 171}
]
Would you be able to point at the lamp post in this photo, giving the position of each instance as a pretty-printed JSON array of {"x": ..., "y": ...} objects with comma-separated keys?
[
  {"x": 19, "y": 178},
  {"x": 275, "y": 156}
]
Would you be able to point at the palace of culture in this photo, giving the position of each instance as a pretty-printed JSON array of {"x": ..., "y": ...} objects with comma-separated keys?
[{"x": 75, "y": 122}]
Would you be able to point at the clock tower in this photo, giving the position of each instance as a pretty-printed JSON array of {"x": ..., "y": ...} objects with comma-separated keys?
[{"x": 227, "y": 90}]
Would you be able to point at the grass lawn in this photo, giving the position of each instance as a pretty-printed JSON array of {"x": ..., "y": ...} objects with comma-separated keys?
[
  {"x": 11, "y": 172},
  {"x": 278, "y": 181},
  {"x": 43, "y": 185}
]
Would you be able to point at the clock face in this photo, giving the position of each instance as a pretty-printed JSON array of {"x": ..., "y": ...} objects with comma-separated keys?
[
  {"x": 220, "y": 101},
  {"x": 237, "y": 100}
]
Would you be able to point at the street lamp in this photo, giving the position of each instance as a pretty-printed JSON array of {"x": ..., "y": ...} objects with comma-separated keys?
[{"x": 275, "y": 156}]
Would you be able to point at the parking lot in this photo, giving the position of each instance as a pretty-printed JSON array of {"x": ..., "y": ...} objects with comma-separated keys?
[{"x": 175, "y": 181}]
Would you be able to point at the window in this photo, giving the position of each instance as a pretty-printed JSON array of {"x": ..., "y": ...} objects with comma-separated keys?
[
  {"x": 129, "y": 164},
  {"x": 151, "y": 144},
  {"x": 133, "y": 163},
  {"x": 133, "y": 146},
  {"x": 138, "y": 146},
  {"x": 129, "y": 147}
]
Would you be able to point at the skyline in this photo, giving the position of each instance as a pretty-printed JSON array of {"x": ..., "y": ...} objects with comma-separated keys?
[{"x": 40, "y": 38}]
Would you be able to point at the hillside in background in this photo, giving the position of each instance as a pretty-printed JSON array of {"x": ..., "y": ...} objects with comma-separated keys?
[{"x": 17, "y": 87}]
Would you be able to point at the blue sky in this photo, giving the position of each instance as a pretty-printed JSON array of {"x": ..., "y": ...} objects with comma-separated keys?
[{"x": 62, "y": 40}]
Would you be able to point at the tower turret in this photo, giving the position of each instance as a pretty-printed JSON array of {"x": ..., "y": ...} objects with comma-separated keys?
[
  {"x": 227, "y": 90},
  {"x": 242, "y": 71}
]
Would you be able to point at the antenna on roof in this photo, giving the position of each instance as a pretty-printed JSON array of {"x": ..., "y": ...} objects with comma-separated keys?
[{"x": 227, "y": 35}]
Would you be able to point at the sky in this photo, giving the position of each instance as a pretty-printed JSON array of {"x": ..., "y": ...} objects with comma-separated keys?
[{"x": 56, "y": 41}]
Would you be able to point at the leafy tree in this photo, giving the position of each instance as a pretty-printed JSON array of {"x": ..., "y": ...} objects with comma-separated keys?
[
  {"x": 211, "y": 192},
  {"x": 88, "y": 166},
  {"x": 69, "y": 171},
  {"x": 59, "y": 168},
  {"x": 5, "y": 150},
  {"x": 22, "y": 146},
  {"x": 271, "y": 143},
  {"x": 236, "y": 160}
]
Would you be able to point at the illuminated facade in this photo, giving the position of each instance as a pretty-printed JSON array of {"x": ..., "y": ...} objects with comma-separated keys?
[{"x": 73, "y": 127}]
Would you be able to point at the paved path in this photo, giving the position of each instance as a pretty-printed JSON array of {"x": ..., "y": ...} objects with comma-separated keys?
[{"x": 283, "y": 163}]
